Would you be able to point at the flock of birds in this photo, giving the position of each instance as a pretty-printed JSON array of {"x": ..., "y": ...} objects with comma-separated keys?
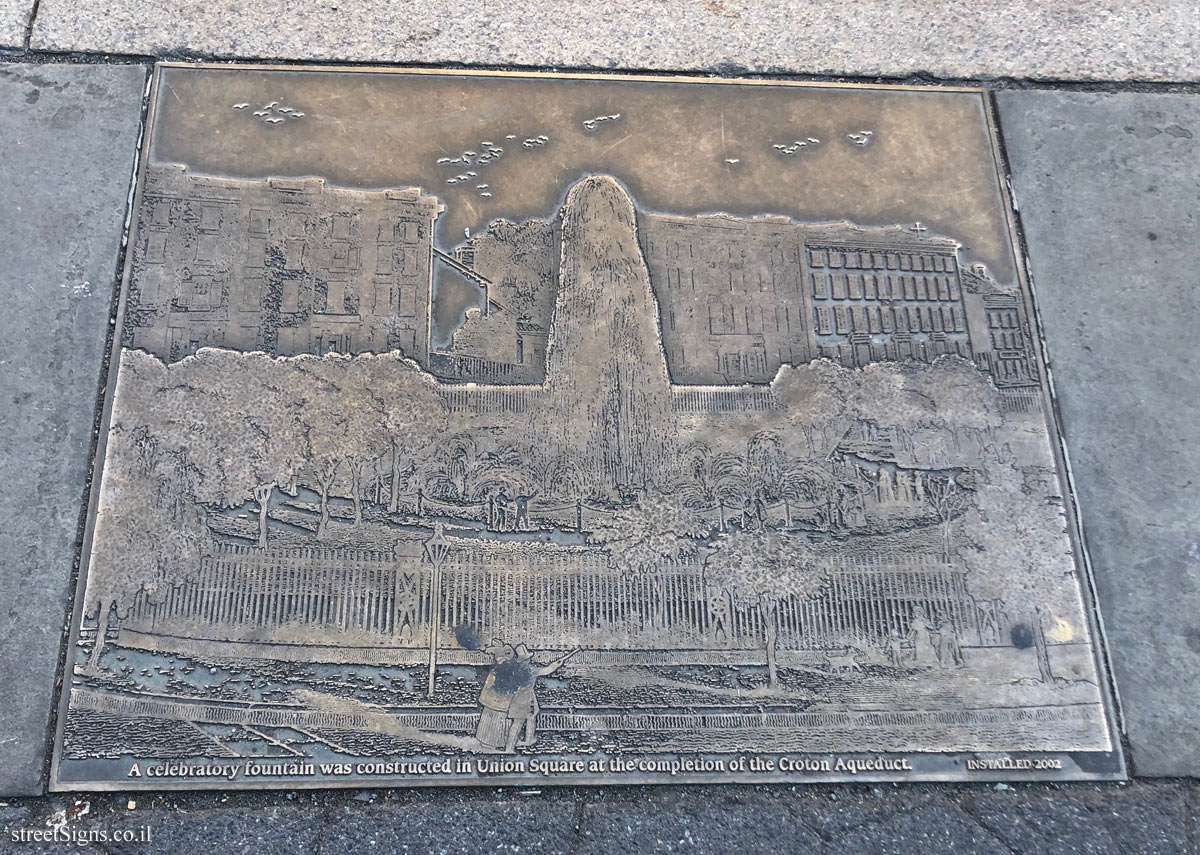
[
  {"x": 858, "y": 138},
  {"x": 597, "y": 121},
  {"x": 790, "y": 149},
  {"x": 273, "y": 113},
  {"x": 487, "y": 153}
]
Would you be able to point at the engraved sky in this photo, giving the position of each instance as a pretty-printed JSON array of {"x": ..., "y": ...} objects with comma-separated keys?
[{"x": 679, "y": 147}]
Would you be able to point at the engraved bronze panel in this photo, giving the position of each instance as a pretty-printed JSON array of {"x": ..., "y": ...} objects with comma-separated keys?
[{"x": 514, "y": 427}]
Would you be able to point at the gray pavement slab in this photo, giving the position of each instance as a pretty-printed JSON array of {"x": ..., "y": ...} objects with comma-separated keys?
[
  {"x": 453, "y": 824},
  {"x": 69, "y": 142},
  {"x": 1108, "y": 188},
  {"x": 1143, "y": 817},
  {"x": 14, "y": 21},
  {"x": 635, "y": 821},
  {"x": 1094, "y": 40},
  {"x": 1081, "y": 820}
]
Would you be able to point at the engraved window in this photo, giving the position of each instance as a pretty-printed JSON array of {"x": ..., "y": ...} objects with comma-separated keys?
[
  {"x": 296, "y": 226},
  {"x": 150, "y": 284},
  {"x": 341, "y": 226},
  {"x": 854, "y": 286},
  {"x": 870, "y": 287},
  {"x": 260, "y": 222},
  {"x": 201, "y": 289},
  {"x": 921, "y": 285},
  {"x": 835, "y": 259},
  {"x": 343, "y": 256},
  {"x": 823, "y": 321},
  {"x": 851, "y": 260},
  {"x": 206, "y": 248},
  {"x": 252, "y": 290},
  {"x": 407, "y": 232},
  {"x": 383, "y": 260},
  {"x": 256, "y": 252},
  {"x": 816, "y": 258},
  {"x": 156, "y": 247},
  {"x": 290, "y": 301},
  {"x": 905, "y": 262},
  {"x": 407, "y": 301},
  {"x": 873, "y": 324},
  {"x": 839, "y": 286},
  {"x": 293, "y": 255},
  {"x": 820, "y": 285},
  {"x": 335, "y": 296},
  {"x": 892, "y": 261},
  {"x": 210, "y": 218},
  {"x": 754, "y": 319},
  {"x": 888, "y": 319},
  {"x": 161, "y": 213},
  {"x": 842, "y": 319},
  {"x": 411, "y": 268},
  {"x": 951, "y": 264}
]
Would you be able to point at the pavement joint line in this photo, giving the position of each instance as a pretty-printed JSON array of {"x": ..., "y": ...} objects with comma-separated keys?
[{"x": 35, "y": 56}]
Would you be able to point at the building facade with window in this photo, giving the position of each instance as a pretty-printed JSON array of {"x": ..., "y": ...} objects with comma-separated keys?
[
  {"x": 740, "y": 297},
  {"x": 285, "y": 266}
]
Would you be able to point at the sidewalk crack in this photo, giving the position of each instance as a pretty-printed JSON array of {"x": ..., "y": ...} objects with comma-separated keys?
[{"x": 29, "y": 26}]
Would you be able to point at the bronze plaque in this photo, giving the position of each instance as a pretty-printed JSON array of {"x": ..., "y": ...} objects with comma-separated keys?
[{"x": 485, "y": 427}]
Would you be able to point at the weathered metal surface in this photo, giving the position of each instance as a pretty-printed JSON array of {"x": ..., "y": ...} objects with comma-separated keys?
[{"x": 531, "y": 428}]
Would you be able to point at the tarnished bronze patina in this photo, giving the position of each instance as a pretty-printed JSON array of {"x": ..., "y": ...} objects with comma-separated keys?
[{"x": 513, "y": 427}]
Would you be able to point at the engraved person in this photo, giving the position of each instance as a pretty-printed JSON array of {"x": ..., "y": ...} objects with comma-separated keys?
[
  {"x": 496, "y": 696},
  {"x": 920, "y": 636},
  {"x": 523, "y": 709}
]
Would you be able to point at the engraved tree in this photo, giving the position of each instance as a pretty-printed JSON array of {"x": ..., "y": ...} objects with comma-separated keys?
[
  {"x": 144, "y": 539},
  {"x": 343, "y": 423},
  {"x": 413, "y": 415},
  {"x": 643, "y": 538},
  {"x": 266, "y": 442},
  {"x": 967, "y": 404},
  {"x": 948, "y": 501},
  {"x": 1019, "y": 552},
  {"x": 760, "y": 568}
]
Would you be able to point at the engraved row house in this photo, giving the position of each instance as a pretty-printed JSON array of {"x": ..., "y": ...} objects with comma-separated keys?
[{"x": 285, "y": 266}]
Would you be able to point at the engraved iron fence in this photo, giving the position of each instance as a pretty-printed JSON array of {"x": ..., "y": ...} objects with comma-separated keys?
[{"x": 547, "y": 597}]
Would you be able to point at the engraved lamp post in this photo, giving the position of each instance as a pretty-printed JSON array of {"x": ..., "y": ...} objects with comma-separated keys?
[{"x": 435, "y": 552}]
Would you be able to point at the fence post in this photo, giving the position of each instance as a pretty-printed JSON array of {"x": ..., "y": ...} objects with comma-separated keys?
[
  {"x": 420, "y": 501},
  {"x": 579, "y": 515}
]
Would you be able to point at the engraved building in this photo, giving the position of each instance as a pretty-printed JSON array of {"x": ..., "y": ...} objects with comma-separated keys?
[
  {"x": 741, "y": 297},
  {"x": 285, "y": 266}
]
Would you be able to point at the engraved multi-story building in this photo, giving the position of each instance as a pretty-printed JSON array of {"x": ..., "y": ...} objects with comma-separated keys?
[
  {"x": 285, "y": 266},
  {"x": 885, "y": 296},
  {"x": 731, "y": 295},
  {"x": 739, "y": 297}
]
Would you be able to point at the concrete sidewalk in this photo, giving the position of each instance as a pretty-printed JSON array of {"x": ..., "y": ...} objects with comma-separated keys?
[{"x": 1033, "y": 39}]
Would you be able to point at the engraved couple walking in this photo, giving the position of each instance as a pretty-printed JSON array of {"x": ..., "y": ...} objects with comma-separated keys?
[{"x": 509, "y": 696}]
